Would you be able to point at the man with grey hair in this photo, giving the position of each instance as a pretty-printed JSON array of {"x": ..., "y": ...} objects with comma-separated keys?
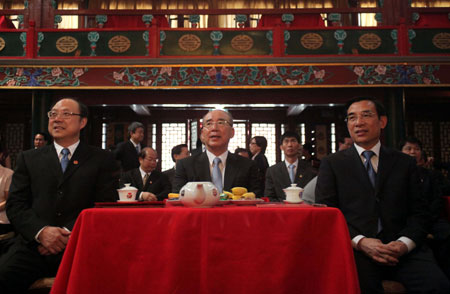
[
  {"x": 127, "y": 152},
  {"x": 225, "y": 169}
]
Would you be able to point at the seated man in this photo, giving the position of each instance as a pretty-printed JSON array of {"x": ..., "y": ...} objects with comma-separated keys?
[
  {"x": 152, "y": 185},
  {"x": 225, "y": 169},
  {"x": 377, "y": 190},
  {"x": 178, "y": 152},
  {"x": 290, "y": 171}
]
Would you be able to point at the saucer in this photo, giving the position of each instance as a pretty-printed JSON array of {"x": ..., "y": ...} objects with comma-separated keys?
[
  {"x": 127, "y": 201},
  {"x": 293, "y": 202}
]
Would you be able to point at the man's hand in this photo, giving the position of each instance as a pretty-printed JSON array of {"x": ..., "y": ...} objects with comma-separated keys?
[
  {"x": 53, "y": 239},
  {"x": 379, "y": 252},
  {"x": 43, "y": 251},
  {"x": 147, "y": 196},
  {"x": 398, "y": 248}
]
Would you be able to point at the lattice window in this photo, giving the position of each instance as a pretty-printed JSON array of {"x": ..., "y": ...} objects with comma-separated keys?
[
  {"x": 14, "y": 140},
  {"x": 424, "y": 132},
  {"x": 172, "y": 135},
  {"x": 194, "y": 135},
  {"x": 267, "y": 131},
  {"x": 333, "y": 137},
  {"x": 239, "y": 137},
  {"x": 445, "y": 141},
  {"x": 153, "y": 136}
]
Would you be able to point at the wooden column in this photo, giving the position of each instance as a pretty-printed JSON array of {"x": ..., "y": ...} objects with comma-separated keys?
[
  {"x": 395, "y": 108},
  {"x": 41, "y": 102}
]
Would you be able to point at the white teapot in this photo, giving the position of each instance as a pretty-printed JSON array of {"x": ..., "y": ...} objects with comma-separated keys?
[
  {"x": 199, "y": 194},
  {"x": 293, "y": 194},
  {"x": 127, "y": 193}
]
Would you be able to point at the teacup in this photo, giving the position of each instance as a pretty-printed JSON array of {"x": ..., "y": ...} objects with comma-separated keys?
[
  {"x": 127, "y": 193},
  {"x": 293, "y": 194}
]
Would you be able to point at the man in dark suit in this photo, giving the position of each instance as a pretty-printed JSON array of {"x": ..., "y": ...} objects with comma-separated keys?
[
  {"x": 50, "y": 187},
  {"x": 278, "y": 175},
  {"x": 152, "y": 185},
  {"x": 178, "y": 152},
  {"x": 225, "y": 169},
  {"x": 377, "y": 190},
  {"x": 127, "y": 152}
]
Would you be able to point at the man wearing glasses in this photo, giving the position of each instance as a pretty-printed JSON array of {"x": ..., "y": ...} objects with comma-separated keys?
[
  {"x": 152, "y": 185},
  {"x": 377, "y": 190},
  {"x": 225, "y": 169},
  {"x": 50, "y": 187}
]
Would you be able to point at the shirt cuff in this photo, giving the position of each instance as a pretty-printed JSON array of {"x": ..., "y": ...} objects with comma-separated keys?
[
  {"x": 356, "y": 240},
  {"x": 408, "y": 242},
  {"x": 37, "y": 235},
  {"x": 140, "y": 197}
]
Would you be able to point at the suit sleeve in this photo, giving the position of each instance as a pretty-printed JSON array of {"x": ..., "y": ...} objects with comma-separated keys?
[
  {"x": 254, "y": 180},
  {"x": 180, "y": 178},
  {"x": 18, "y": 207},
  {"x": 326, "y": 189},
  {"x": 165, "y": 187},
  {"x": 269, "y": 190}
]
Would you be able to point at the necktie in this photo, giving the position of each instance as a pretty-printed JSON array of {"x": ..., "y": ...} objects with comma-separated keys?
[
  {"x": 217, "y": 174},
  {"x": 368, "y": 165},
  {"x": 145, "y": 178},
  {"x": 137, "y": 149},
  {"x": 292, "y": 173},
  {"x": 65, "y": 159}
]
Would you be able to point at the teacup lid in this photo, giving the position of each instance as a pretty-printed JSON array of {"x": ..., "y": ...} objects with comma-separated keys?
[
  {"x": 293, "y": 187},
  {"x": 128, "y": 187}
]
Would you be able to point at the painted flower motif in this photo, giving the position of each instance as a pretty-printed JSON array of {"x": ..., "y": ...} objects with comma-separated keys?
[
  {"x": 381, "y": 69},
  {"x": 11, "y": 82},
  {"x": 418, "y": 69},
  {"x": 78, "y": 72},
  {"x": 167, "y": 70},
  {"x": 211, "y": 72},
  {"x": 427, "y": 81},
  {"x": 271, "y": 69},
  {"x": 56, "y": 72},
  {"x": 319, "y": 74},
  {"x": 19, "y": 72},
  {"x": 358, "y": 70},
  {"x": 292, "y": 82},
  {"x": 146, "y": 83},
  {"x": 225, "y": 72},
  {"x": 118, "y": 76}
]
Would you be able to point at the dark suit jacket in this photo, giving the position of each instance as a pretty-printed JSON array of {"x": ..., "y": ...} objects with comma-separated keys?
[
  {"x": 125, "y": 152},
  {"x": 170, "y": 173},
  {"x": 277, "y": 179},
  {"x": 41, "y": 195},
  {"x": 157, "y": 183},
  {"x": 344, "y": 183},
  {"x": 262, "y": 164},
  {"x": 239, "y": 172}
]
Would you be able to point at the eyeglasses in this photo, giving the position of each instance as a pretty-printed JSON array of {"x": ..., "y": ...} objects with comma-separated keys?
[
  {"x": 152, "y": 159},
  {"x": 364, "y": 116},
  {"x": 64, "y": 115},
  {"x": 219, "y": 124}
]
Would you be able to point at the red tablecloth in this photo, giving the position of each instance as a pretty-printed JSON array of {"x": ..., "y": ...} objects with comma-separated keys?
[{"x": 209, "y": 250}]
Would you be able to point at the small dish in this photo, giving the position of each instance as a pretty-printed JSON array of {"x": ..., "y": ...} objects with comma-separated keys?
[
  {"x": 292, "y": 202},
  {"x": 127, "y": 201}
]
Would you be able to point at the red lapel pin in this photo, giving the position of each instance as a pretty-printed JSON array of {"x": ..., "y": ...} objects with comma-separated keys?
[{"x": 75, "y": 162}]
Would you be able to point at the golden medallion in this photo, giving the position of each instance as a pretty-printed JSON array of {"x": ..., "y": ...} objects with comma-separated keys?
[
  {"x": 2, "y": 43},
  {"x": 442, "y": 41},
  {"x": 66, "y": 44},
  {"x": 189, "y": 42},
  {"x": 119, "y": 44},
  {"x": 242, "y": 43},
  {"x": 311, "y": 41},
  {"x": 370, "y": 41}
]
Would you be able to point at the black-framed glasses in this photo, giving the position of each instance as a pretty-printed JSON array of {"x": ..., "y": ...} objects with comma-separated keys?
[
  {"x": 363, "y": 116},
  {"x": 64, "y": 115}
]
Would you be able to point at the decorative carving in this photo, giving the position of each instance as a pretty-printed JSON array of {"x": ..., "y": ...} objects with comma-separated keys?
[
  {"x": 2, "y": 43},
  {"x": 242, "y": 43},
  {"x": 311, "y": 41},
  {"x": 369, "y": 41},
  {"x": 442, "y": 41},
  {"x": 66, "y": 44},
  {"x": 189, "y": 42},
  {"x": 119, "y": 44}
]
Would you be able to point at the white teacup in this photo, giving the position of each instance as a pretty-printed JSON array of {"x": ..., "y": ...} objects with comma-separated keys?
[
  {"x": 293, "y": 194},
  {"x": 127, "y": 193}
]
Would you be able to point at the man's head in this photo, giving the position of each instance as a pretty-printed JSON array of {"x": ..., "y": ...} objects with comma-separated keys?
[
  {"x": 179, "y": 152},
  {"x": 242, "y": 152},
  {"x": 136, "y": 131},
  {"x": 148, "y": 159},
  {"x": 40, "y": 140},
  {"x": 67, "y": 118},
  {"x": 217, "y": 131},
  {"x": 290, "y": 144},
  {"x": 365, "y": 119},
  {"x": 345, "y": 143},
  {"x": 413, "y": 147},
  {"x": 258, "y": 144}
]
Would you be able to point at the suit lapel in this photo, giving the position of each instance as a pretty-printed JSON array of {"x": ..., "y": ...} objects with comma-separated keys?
[
  {"x": 202, "y": 168},
  {"x": 136, "y": 175},
  {"x": 230, "y": 172},
  {"x": 51, "y": 158},
  {"x": 284, "y": 174},
  {"x": 385, "y": 163},
  {"x": 359, "y": 171},
  {"x": 80, "y": 156}
]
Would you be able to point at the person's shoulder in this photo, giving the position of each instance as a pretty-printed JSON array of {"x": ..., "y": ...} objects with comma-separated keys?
[{"x": 169, "y": 171}]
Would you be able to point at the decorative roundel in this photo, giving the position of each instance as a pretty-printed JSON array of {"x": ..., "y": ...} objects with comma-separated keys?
[
  {"x": 189, "y": 42},
  {"x": 370, "y": 41},
  {"x": 242, "y": 43},
  {"x": 66, "y": 44},
  {"x": 2, "y": 43},
  {"x": 119, "y": 44},
  {"x": 311, "y": 41},
  {"x": 442, "y": 41}
]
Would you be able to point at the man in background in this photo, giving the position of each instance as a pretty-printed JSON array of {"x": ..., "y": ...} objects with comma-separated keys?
[
  {"x": 178, "y": 152},
  {"x": 127, "y": 152},
  {"x": 40, "y": 140}
]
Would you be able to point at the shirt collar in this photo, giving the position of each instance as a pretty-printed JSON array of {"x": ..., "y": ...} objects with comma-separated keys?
[
  {"x": 223, "y": 157},
  {"x": 375, "y": 149},
  {"x": 143, "y": 173},
  {"x": 134, "y": 144},
  {"x": 288, "y": 164},
  {"x": 71, "y": 148}
]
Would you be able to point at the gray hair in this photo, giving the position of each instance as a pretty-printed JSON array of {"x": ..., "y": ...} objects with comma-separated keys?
[
  {"x": 133, "y": 126},
  {"x": 230, "y": 117}
]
